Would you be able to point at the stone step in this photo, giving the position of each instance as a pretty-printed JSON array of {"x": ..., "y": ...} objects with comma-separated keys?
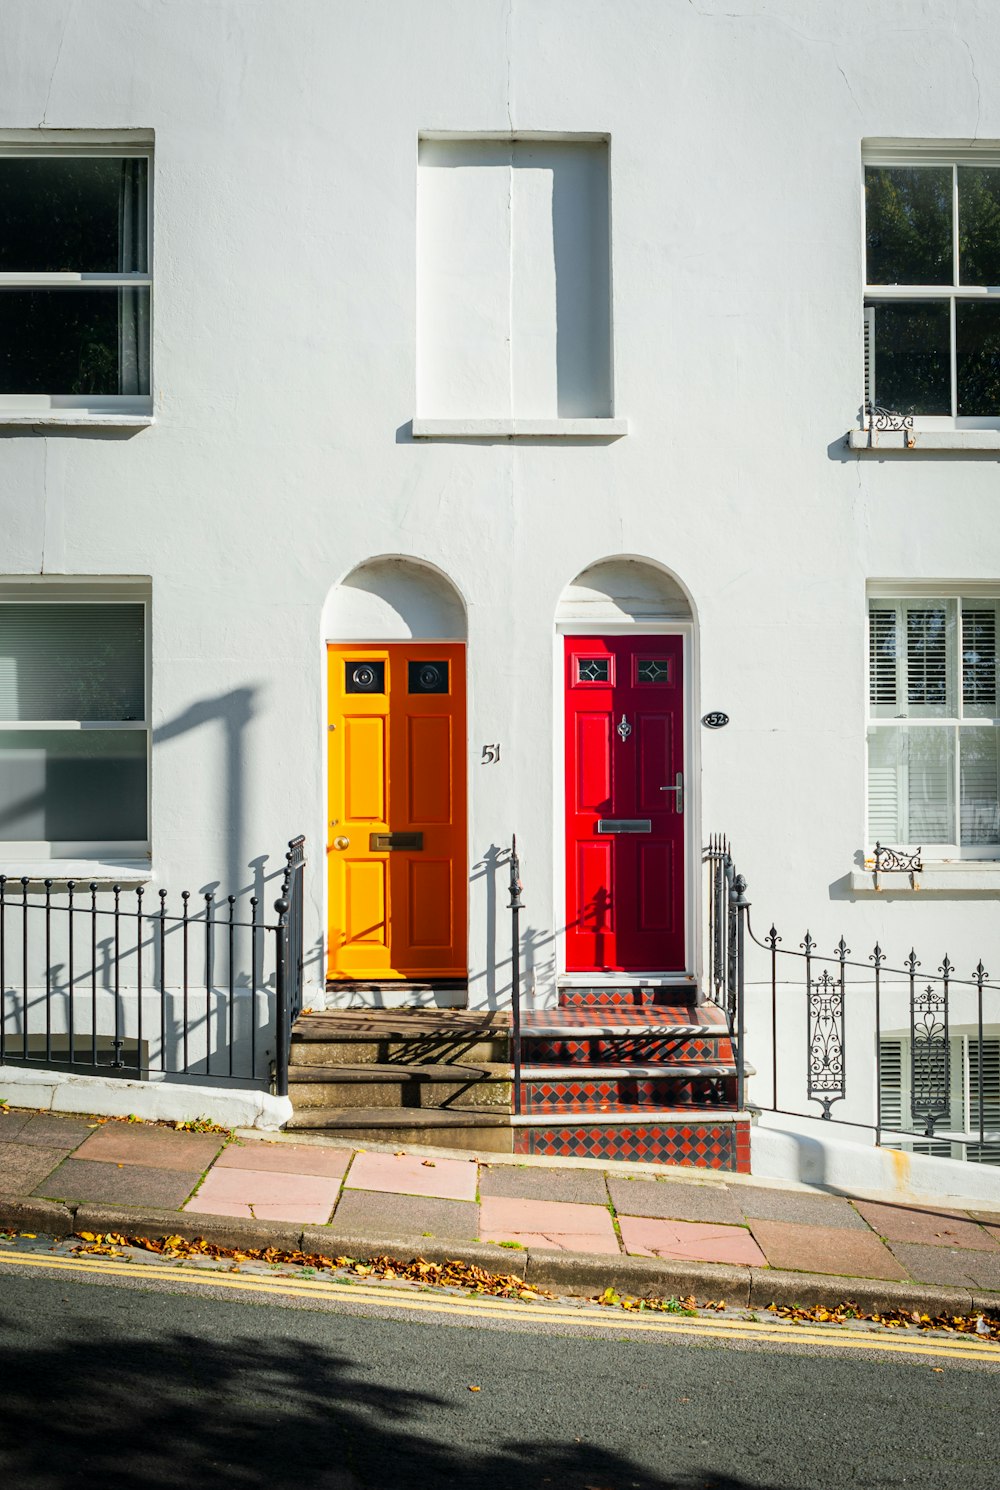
[
  {"x": 399, "y": 1086},
  {"x": 461, "y": 1128},
  {"x": 418, "y": 1037}
]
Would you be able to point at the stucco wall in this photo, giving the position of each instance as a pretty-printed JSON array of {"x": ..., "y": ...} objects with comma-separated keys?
[{"x": 284, "y": 367}]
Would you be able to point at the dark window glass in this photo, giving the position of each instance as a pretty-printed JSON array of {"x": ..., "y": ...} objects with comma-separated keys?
[
  {"x": 913, "y": 356},
  {"x": 70, "y": 341},
  {"x": 81, "y": 214},
  {"x": 908, "y": 225},
  {"x": 977, "y": 341},
  {"x": 428, "y": 677},
  {"x": 654, "y": 670},
  {"x": 593, "y": 670},
  {"x": 979, "y": 225},
  {"x": 362, "y": 676}
]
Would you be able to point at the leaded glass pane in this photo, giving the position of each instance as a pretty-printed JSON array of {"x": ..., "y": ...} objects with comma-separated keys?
[
  {"x": 593, "y": 670},
  {"x": 654, "y": 670},
  {"x": 908, "y": 225}
]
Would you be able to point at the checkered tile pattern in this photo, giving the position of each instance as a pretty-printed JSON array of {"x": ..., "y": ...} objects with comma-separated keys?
[
  {"x": 625, "y": 1051},
  {"x": 603, "y": 1096},
  {"x": 648, "y": 996},
  {"x": 708, "y": 1145},
  {"x": 610, "y": 1018}
]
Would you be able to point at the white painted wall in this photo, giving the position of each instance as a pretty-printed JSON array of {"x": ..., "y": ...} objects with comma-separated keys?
[{"x": 285, "y": 365}]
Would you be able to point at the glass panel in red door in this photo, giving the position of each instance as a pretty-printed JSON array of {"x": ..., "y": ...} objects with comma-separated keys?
[{"x": 624, "y": 816}]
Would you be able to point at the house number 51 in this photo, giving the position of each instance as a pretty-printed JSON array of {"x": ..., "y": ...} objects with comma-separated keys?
[{"x": 491, "y": 755}]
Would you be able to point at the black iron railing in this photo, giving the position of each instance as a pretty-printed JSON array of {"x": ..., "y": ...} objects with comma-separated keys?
[
  {"x": 841, "y": 991},
  {"x": 123, "y": 982},
  {"x": 515, "y": 907}
]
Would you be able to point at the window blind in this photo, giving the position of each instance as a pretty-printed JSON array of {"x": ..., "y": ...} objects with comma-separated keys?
[
  {"x": 71, "y": 662},
  {"x": 882, "y": 657}
]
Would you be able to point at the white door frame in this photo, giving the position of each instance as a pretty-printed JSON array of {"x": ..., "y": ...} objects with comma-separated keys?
[{"x": 687, "y": 631}]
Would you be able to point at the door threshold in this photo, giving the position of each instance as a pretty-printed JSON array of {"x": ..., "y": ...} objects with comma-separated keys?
[{"x": 626, "y": 980}]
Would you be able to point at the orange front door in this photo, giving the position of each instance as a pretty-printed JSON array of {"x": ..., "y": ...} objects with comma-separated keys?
[{"x": 396, "y": 841}]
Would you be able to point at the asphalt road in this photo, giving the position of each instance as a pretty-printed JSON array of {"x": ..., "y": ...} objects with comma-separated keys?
[{"x": 109, "y": 1383}]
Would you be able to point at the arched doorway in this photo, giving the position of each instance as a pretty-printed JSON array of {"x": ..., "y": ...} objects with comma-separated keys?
[
  {"x": 397, "y": 852},
  {"x": 626, "y": 636}
]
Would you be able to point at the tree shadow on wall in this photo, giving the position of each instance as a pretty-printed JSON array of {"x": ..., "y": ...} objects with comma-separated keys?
[{"x": 101, "y": 1406}]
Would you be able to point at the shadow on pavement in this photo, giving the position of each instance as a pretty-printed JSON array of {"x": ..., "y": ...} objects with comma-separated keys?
[{"x": 98, "y": 1406}]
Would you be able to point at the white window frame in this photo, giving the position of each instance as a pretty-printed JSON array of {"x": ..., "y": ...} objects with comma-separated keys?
[
  {"x": 68, "y": 407},
  {"x": 891, "y": 595},
  {"x": 61, "y": 857},
  {"x": 930, "y": 155}
]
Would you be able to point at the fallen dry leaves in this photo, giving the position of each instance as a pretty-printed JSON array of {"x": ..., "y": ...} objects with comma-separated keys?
[
  {"x": 986, "y": 1326},
  {"x": 453, "y": 1274}
]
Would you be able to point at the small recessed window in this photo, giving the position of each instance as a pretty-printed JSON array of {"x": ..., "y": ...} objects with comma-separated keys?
[
  {"x": 364, "y": 676},
  {"x": 653, "y": 670},
  {"x": 428, "y": 677},
  {"x": 593, "y": 669},
  {"x": 75, "y": 280}
]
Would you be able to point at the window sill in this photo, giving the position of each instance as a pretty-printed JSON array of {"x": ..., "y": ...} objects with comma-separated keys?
[
  {"x": 85, "y": 871},
  {"x": 959, "y": 878},
  {"x": 519, "y": 429},
  {"x": 910, "y": 441},
  {"x": 72, "y": 419}
]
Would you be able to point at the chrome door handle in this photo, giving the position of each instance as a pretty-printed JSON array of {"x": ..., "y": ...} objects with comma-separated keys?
[{"x": 678, "y": 787}]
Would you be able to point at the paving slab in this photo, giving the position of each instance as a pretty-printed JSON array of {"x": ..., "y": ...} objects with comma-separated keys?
[
  {"x": 156, "y": 1148},
  {"x": 122, "y": 1184},
  {"x": 11, "y": 1124},
  {"x": 285, "y": 1158},
  {"x": 51, "y": 1131},
  {"x": 762, "y": 1204},
  {"x": 955, "y": 1266},
  {"x": 582, "y": 1186},
  {"x": 266, "y": 1195},
  {"x": 554, "y": 1224},
  {"x": 408, "y": 1174},
  {"x": 25, "y": 1165},
  {"x": 674, "y": 1200},
  {"x": 697, "y": 1241},
  {"x": 361, "y": 1211},
  {"x": 838, "y": 1250},
  {"x": 935, "y": 1226}
]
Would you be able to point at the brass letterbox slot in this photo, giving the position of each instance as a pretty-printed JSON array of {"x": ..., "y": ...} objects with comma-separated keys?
[{"x": 382, "y": 842}]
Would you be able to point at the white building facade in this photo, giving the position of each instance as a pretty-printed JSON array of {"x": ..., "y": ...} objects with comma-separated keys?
[{"x": 525, "y": 337}]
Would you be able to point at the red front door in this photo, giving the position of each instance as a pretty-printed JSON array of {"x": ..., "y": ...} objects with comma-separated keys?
[{"x": 624, "y": 812}]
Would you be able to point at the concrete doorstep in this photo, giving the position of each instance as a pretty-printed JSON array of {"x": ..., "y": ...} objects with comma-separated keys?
[{"x": 580, "y": 1274}]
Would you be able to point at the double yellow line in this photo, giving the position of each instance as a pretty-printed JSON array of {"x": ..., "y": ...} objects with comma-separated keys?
[{"x": 613, "y": 1320}]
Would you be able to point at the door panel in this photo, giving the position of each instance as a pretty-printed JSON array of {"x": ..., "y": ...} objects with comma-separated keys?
[
  {"x": 397, "y": 770},
  {"x": 624, "y": 748}
]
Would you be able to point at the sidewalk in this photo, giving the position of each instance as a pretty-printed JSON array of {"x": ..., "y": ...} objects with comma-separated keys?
[{"x": 574, "y": 1228}]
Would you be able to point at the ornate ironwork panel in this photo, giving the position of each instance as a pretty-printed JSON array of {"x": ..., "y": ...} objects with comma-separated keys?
[
  {"x": 826, "y": 1041},
  {"x": 930, "y": 1056}
]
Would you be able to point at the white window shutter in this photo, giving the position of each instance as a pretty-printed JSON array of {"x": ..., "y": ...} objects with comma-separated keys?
[
  {"x": 926, "y": 657},
  {"x": 882, "y": 655},
  {"x": 979, "y": 655},
  {"x": 990, "y": 1153},
  {"x": 869, "y": 355},
  {"x": 890, "y": 1096}
]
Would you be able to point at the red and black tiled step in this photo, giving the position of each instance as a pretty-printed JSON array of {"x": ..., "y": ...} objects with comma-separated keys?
[
  {"x": 630, "y": 1079},
  {"x": 631, "y": 995}
]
